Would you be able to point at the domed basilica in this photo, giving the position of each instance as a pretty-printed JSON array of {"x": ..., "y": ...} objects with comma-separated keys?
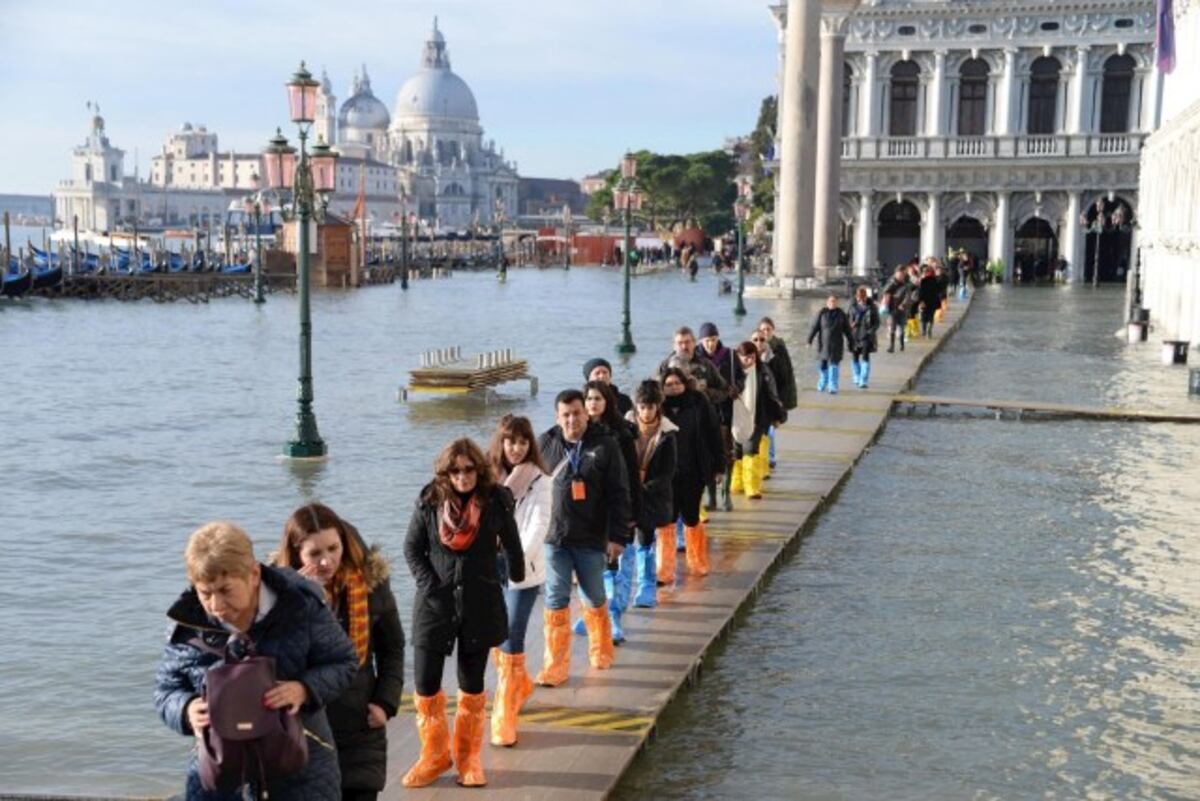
[{"x": 445, "y": 172}]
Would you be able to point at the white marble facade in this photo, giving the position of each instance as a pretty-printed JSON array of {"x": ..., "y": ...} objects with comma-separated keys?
[
  {"x": 991, "y": 126},
  {"x": 1170, "y": 193}
]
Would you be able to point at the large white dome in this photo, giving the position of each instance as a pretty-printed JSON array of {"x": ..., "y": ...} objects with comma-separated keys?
[
  {"x": 436, "y": 91},
  {"x": 362, "y": 109}
]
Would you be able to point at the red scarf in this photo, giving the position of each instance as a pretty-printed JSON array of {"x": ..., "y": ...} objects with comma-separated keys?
[{"x": 459, "y": 525}]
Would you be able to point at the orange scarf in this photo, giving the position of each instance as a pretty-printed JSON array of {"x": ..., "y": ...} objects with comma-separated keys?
[
  {"x": 358, "y": 615},
  {"x": 459, "y": 524}
]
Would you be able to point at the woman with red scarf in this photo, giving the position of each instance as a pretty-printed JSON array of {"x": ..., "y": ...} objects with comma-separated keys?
[{"x": 451, "y": 550}]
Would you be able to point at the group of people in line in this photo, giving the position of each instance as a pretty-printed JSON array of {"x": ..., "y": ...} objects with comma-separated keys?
[{"x": 603, "y": 500}]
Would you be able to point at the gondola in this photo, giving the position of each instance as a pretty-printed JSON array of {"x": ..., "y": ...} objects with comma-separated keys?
[
  {"x": 15, "y": 286},
  {"x": 236, "y": 269},
  {"x": 47, "y": 278}
]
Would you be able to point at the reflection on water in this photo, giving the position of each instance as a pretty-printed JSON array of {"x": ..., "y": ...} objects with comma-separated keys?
[
  {"x": 127, "y": 425},
  {"x": 990, "y": 610}
]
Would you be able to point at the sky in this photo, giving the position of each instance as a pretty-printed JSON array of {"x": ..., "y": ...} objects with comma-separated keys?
[{"x": 563, "y": 86}]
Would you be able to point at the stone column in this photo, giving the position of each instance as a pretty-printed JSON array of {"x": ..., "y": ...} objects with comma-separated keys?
[
  {"x": 933, "y": 232},
  {"x": 1073, "y": 238},
  {"x": 1077, "y": 121},
  {"x": 1001, "y": 244},
  {"x": 866, "y": 236},
  {"x": 797, "y": 158},
  {"x": 935, "y": 121},
  {"x": 1151, "y": 92},
  {"x": 826, "y": 216},
  {"x": 1006, "y": 105},
  {"x": 868, "y": 98}
]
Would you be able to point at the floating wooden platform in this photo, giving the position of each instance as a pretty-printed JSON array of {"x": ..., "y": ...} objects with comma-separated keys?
[
  {"x": 449, "y": 372},
  {"x": 1045, "y": 409}
]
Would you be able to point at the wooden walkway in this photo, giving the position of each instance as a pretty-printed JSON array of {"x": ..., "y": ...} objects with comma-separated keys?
[
  {"x": 577, "y": 740},
  {"x": 1044, "y": 409}
]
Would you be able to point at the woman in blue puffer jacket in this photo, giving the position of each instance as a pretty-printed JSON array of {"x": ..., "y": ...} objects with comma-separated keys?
[{"x": 285, "y": 617}]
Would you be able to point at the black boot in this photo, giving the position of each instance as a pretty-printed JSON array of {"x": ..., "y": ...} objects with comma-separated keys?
[{"x": 892, "y": 341}]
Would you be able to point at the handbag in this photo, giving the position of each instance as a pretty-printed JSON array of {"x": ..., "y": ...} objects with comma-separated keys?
[{"x": 244, "y": 740}]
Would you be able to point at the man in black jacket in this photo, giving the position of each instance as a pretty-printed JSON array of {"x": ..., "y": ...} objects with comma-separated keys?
[{"x": 589, "y": 527}]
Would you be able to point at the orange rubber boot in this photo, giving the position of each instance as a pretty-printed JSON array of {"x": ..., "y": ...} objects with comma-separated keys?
[
  {"x": 469, "y": 721},
  {"x": 435, "y": 741},
  {"x": 513, "y": 688},
  {"x": 664, "y": 541},
  {"x": 694, "y": 538},
  {"x": 557, "y": 660},
  {"x": 704, "y": 549},
  {"x": 599, "y": 629}
]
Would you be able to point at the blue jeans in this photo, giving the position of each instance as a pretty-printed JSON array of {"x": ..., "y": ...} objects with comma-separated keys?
[
  {"x": 586, "y": 563},
  {"x": 520, "y": 609}
]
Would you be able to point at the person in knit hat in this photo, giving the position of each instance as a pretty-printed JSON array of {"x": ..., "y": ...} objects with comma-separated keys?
[
  {"x": 730, "y": 370},
  {"x": 599, "y": 369}
]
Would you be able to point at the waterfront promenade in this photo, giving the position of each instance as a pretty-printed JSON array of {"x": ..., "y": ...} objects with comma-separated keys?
[{"x": 577, "y": 740}]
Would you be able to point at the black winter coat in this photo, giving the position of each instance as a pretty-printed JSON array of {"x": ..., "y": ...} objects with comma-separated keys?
[
  {"x": 459, "y": 598},
  {"x": 768, "y": 411},
  {"x": 832, "y": 330},
  {"x": 929, "y": 292},
  {"x": 604, "y": 515},
  {"x": 784, "y": 372},
  {"x": 864, "y": 325},
  {"x": 700, "y": 454},
  {"x": 309, "y": 647},
  {"x": 362, "y": 751},
  {"x": 626, "y": 436},
  {"x": 900, "y": 297},
  {"x": 658, "y": 500}
]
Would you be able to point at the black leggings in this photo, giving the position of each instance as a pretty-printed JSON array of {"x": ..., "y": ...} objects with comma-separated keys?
[
  {"x": 861, "y": 356},
  {"x": 428, "y": 666},
  {"x": 644, "y": 538},
  {"x": 688, "y": 493}
]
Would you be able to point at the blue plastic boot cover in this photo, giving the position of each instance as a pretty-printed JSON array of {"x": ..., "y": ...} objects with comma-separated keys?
[
  {"x": 833, "y": 379},
  {"x": 647, "y": 562},
  {"x": 866, "y": 374},
  {"x": 823, "y": 381}
]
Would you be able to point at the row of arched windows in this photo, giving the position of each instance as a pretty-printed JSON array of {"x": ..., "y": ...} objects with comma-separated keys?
[{"x": 1042, "y": 104}]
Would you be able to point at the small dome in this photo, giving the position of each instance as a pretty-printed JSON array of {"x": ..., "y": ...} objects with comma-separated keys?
[
  {"x": 187, "y": 126},
  {"x": 363, "y": 109}
]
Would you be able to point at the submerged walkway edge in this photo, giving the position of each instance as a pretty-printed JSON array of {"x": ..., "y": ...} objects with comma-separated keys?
[{"x": 577, "y": 741}]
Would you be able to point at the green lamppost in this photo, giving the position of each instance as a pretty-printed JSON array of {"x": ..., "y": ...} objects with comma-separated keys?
[
  {"x": 403, "y": 241},
  {"x": 566, "y": 214},
  {"x": 254, "y": 209},
  {"x": 627, "y": 198},
  {"x": 312, "y": 179},
  {"x": 741, "y": 210}
]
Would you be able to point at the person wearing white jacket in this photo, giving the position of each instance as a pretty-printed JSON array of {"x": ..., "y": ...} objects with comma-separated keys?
[{"x": 515, "y": 457}]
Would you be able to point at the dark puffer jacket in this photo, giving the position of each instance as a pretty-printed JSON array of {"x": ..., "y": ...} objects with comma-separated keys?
[
  {"x": 831, "y": 329},
  {"x": 784, "y": 372},
  {"x": 309, "y": 647},
  {"x": 657, "y": 499},
  {"x": 864, "y": 325},
  {"x": 362, "y": 751},
  {"x": 604, "y": 515},
  {"x": 458, "y": 598},
  {"x": 699, "y": 450}
]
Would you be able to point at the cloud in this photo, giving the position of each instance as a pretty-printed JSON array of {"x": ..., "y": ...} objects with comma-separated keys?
[{"x": 563, "y": 86}]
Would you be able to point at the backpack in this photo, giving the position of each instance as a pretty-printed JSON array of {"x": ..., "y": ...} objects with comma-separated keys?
[{"x": 244, "y": 740}]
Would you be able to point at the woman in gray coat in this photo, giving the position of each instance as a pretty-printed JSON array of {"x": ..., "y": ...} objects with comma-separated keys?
[{"x": 831, "y": 329}]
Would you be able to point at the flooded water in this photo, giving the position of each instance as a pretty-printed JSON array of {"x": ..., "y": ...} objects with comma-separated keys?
[
  {"x": 990, "y": 610},
  {"x": 127, "y": 425}
]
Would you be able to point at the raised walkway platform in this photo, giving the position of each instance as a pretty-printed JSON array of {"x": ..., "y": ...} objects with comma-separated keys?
[
  {"x": 1044, "y": 409},
  {"x": 577, "y": 740}
]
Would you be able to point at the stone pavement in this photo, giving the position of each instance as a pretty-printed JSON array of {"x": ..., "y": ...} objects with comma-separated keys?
[{"x": 578, "y": 739}]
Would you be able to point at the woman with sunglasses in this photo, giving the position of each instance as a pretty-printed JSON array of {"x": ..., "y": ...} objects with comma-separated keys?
[
  {"x": 451, "y": 550},
  {"x": 755, "y": 410}
]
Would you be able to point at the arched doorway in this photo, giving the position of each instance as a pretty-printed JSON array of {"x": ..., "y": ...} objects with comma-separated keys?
[
  {"x": 1115, "y": 239},
  {"x": 968, "y": 233},
  {"x": 899, "y": 233},
  {"x": 1035, "y": 252}
]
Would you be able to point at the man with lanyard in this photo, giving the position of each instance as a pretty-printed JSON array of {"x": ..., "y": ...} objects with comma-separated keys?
[{"x": 589, "y": 528}]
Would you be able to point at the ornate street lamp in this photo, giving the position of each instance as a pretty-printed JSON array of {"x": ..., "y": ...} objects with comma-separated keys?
[
  {"x": 566, "y": 217},
  {"x": 1096, "y": 226},
  {"x": 403, "y": 240},
  {"x": 627, "y": 198},
  {"x": 311, "y": 179},
  {"x": 741, "y": 210}
]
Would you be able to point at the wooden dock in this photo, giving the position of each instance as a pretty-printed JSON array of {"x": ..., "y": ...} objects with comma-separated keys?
[
  {"x": 167, "y": 287},
  {"x": 448, "y": 372},
  {"x": 1043, "y": 409},
  {"x": 577, "y": 740}
]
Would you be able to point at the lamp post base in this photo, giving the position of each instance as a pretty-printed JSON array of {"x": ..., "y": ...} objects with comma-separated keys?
[
  {"x": 626, "y": 346},
  {"x": 740, "y": 309}
]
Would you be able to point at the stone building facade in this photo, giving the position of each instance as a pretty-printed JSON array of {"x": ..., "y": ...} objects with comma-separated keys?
[
  {"x": 1170, "y": 193},
  {"x": 991, "y": 126}
]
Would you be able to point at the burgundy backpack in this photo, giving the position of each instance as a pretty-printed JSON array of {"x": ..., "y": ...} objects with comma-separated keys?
[{"x": 244, "y": 740}]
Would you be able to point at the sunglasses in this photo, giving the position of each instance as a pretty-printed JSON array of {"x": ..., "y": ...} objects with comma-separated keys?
[{"x": 462, "y": 471}]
